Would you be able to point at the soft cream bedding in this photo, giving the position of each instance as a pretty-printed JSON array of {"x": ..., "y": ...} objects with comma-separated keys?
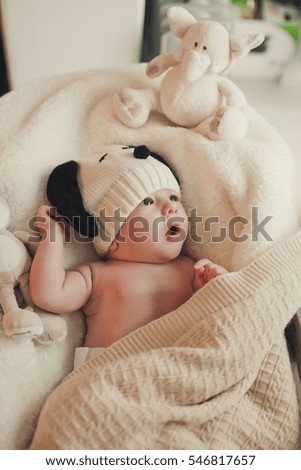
[{"x": 69, "y": 117}]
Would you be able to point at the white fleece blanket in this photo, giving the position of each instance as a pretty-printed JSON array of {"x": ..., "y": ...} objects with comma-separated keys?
[{"x": 69, "y": 117}]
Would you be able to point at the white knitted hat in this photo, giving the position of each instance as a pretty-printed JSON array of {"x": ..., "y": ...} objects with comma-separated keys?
[{"x": 115, "y": 184}]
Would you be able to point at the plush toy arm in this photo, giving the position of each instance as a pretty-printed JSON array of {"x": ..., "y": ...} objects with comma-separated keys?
[
  {"x": 16, "y": 321},
  {"x": 43, "y": 327},
  {"x": 54, "y": 326},
  {"x": 234, "y": 96},
  {"x": 160, "y": 64},
  {"x": 24, "y": 289}
]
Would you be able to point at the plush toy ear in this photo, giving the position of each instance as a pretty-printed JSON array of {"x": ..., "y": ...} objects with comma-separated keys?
[
  {"x": 179, "y": 21},
  {"x": 141, "y": 152},
  {"x": 240, "y": 46},
  {"x": 63, "y": 193}
]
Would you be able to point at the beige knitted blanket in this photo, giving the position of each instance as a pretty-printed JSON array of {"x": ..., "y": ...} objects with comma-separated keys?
[{"x": 214, "y": 374}]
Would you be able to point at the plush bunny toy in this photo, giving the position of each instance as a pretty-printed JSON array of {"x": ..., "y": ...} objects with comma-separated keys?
[
  {"x": 14, "y": 271},
  {"x": 193, "y": 93}
]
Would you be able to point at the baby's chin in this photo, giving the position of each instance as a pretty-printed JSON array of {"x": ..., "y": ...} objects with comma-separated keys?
[
  {"x": 157, "y": 258},
  {"x": 162, "y": 257},
  {"x": 156, "y": 253}
]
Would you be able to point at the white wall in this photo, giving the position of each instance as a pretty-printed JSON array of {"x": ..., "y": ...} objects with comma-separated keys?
[{"x": 46, "y": 37}]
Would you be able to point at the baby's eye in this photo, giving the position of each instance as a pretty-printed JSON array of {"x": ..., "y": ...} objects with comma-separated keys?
[
  {"x": 196, "y": 44},
  {"x": 174, "y": 198},
  {"x": 147, "y": 201}
]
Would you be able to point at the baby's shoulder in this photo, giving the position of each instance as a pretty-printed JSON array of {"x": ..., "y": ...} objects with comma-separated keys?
[{"x": 91, "y": 269}]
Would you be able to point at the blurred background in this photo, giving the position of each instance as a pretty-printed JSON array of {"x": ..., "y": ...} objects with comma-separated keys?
[{"x": 47, "y": 37}]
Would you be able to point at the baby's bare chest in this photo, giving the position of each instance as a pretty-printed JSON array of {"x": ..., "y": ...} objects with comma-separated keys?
[
  {"x": 129, "y": 297},
  {"x": 150, "y": 284},
  {"x": 133, "y": 287}
]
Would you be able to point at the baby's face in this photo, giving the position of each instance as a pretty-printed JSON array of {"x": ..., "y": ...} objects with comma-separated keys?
[{"x": 154, "y": 232}]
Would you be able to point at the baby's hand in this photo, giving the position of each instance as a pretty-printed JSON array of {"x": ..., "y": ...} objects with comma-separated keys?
[
  {"x": 48, "y": 221},
  {"x": 205, "y": 271}
]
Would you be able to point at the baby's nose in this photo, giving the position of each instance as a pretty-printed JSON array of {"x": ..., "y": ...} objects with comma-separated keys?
[{"x": 169, "y": 208}]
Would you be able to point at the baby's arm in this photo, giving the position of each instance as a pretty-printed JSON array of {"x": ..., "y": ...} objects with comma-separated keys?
[
  {"x": 51, "y": 287},
  {"x": 205, "y": 271}
]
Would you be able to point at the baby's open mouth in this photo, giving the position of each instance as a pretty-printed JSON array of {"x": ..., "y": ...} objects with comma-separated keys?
[{"x": 173, "y": 231}]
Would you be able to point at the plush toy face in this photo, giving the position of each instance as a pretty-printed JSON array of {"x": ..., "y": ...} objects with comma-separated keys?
[{"x": 211, "y": 41}]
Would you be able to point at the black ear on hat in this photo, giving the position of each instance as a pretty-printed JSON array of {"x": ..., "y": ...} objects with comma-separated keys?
[
  {"x": 142, "y": 153},
  {"x": 64, "y": 194}
]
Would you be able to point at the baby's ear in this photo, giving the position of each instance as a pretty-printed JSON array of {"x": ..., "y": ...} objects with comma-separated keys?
[{"x": 64, "y": 194}]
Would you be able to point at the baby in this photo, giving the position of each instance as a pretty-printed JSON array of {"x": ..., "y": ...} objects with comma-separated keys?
[{"x": 143, "y": 275}]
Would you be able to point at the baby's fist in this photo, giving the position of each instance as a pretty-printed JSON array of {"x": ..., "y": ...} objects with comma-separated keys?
[
  {"x": 48, "y": 221},
  {"x": 205, "y": 271}
]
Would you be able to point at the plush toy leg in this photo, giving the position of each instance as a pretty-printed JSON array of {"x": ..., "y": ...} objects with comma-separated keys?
[
  {"x": 228, "y": 123},
  {"x": 133, "y": 106},
  {"x": 205, "y": 129},
  {"x": 18, "y": 321},
  {"x": 54, "y": 326},
  {"x": 55, "y": 329}
]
